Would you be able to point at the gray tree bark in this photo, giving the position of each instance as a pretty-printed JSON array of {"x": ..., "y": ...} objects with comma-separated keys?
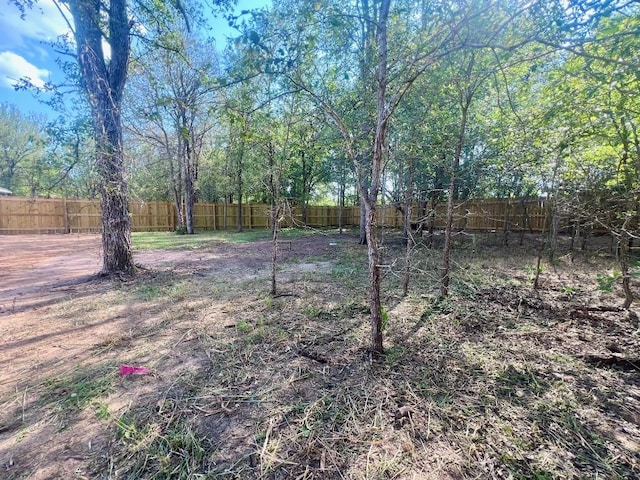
[{"x": 104, "y": 85}]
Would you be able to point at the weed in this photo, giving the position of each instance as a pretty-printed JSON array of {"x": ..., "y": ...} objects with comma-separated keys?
[
  {"x": 257, "y": 336},
  {"x": 394, "y": 354},
  {"x": 179, "y": 291},
  {"x": 605, "y": 282},
  {"x": 518, "y": 382},
  {"x": 243, "y": 326},
  {"x": 268, "y": 301},
  {"x": 442, "y": 399},
  {"x": 137, "y": 439},
  {"x": 385, "y": 319},
  {"x": 349, "y": 267},
  {"x": 353, "y": 309},
  {"x": 456, "y": 385},
  {"x": 102, "y": 410},
  {"x": 569, "y": 291},
  {"x": 439, "y": 305},
  {"x": 78, "y": 391},
  {"x": 342, "y": 270},
  {"x": 312, "y": 311},
  {"x": 532, "y": 271},
  {"x": 148, "y": 291}
]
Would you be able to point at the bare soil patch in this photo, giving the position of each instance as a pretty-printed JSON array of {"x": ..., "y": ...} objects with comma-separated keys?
[{"x": 496, "y": 381}]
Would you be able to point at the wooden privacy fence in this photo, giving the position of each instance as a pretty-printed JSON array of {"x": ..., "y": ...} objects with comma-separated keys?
[{"x": 35, "y": 215}]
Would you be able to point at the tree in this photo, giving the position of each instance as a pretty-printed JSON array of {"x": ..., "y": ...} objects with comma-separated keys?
[
  {"x": 103, "y": 76},
  {"x": 601, "y": 167},
  {"x": 69, "y": 158},
  {"x": 469, "y": 73},
  {"x": 239, "y": 112},
  {"x": 178, "y": 106},
  {"x": 22, "y": 149},
  {"x": 368, "y": 168},
  {"x": 361, "y": 86},
  {"x": 308, "y": 167},
  {"x": 103, "y": 80}
]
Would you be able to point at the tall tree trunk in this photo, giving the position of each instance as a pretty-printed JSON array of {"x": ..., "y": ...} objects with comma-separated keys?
[
  {"x": 575, "y": 237},
  {"x": 363, "y": 221},
  {"x": 104, "y": 86},
  {"x": 188, "y": 160},
  {"x": 371, "y": 197},
  {"x": 225, "y": 224},
  {"x": 367, "y": 37},
  {"x": 506, "y": 229},
  {"x": 239, "y": 182},
  {"x": 176, "y": 182},
  {"x": 239, "y": 188},
  {"x": 239, "y": 226},
  {"x": 275, "y": 222},
  {"x": 554, "y": 214},
  {"x": 177, "y": 196},
  {"x": 524, "y": 218},
  {"x": 306, "y": 181},
  {"x": 116, "y": 224},
  {"x": 272, "y": 192},
  {"x": 374, "y": 279},
  {"x": 543, "y": 246},
  {"x": 189, "y": 203},
  {"x": 554, "y": 230},
  {"x": 177, "y": 200}
]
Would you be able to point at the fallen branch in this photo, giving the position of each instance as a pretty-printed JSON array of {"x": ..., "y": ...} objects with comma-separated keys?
[
  {"x": 588, "y": 312},
  {"x": 625, "y": 363},
  {"x": 601, "y": 308},
  {"x": 311, "y": 356}
]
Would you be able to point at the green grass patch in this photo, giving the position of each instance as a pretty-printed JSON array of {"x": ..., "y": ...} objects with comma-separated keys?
[
  {"x": 153, "y": 291},
  {"x": 73, "y": 393},
  {"x": 170, "y": 240}
]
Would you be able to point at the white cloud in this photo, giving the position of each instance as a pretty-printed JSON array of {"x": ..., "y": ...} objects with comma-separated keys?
[
  {"x": 14, "y": 67},
  {"x": 44, "y": 22}
]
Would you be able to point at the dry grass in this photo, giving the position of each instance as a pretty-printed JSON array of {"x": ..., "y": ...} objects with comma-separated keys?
[{"x": 488, "y": 383}]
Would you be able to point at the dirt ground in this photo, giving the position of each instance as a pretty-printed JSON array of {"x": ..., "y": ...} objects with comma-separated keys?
[
  {"x": 39, "y": 271},
  {"x": 497, "y": 382},
  {"x": 42, "y": 272}
]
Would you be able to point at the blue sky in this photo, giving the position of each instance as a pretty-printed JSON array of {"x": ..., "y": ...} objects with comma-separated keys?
[{"x": 25, "y": 51}]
